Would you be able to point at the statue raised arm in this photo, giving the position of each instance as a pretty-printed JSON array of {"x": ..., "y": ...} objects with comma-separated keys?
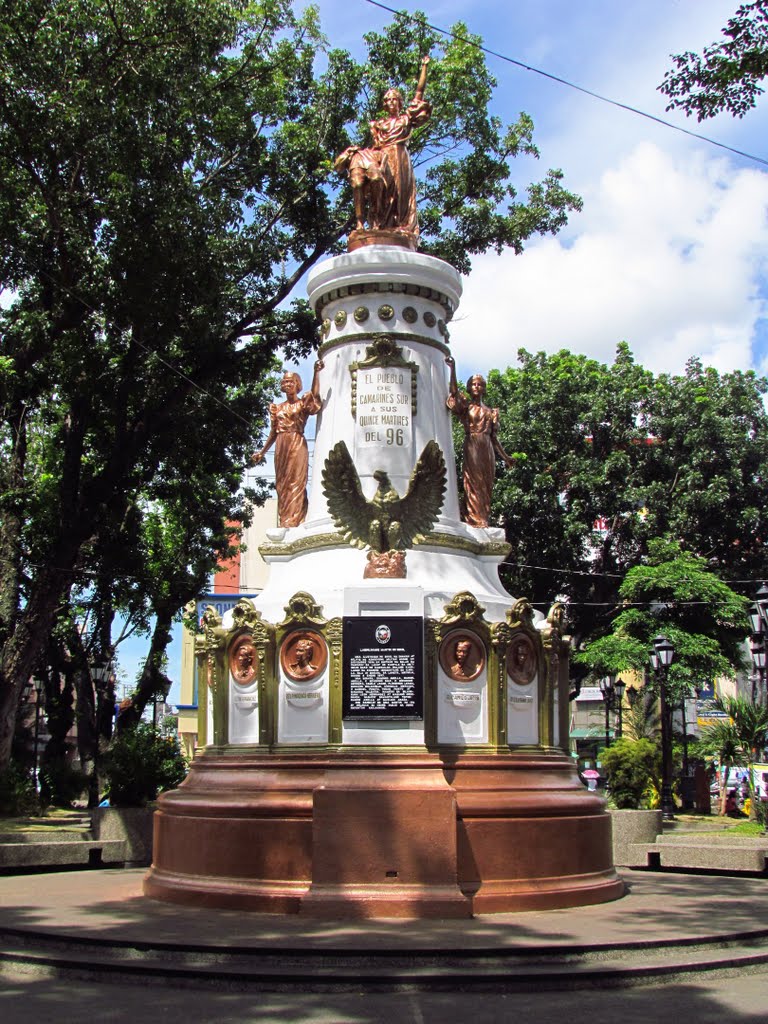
[{"x": 381, "y": 175}]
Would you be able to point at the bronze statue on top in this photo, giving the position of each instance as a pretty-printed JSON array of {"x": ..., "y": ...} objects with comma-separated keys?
[
  {"x": 481, "y": 445},
  {"x": 381, "y": 175},
  {"x": 287, "y": 422}
]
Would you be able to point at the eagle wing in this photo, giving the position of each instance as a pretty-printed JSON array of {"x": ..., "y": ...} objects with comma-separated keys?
[
  {"x": 350, "y": 510},
  {"x": 421, "y": 504}
]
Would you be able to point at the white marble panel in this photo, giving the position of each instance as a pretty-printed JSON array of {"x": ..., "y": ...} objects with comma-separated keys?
[
  {"x": 302, "y": 714},
  {"x": 243, "y": 712},
  {"x": 522, "y": 712},
  {"x": 462, "y": 709}
]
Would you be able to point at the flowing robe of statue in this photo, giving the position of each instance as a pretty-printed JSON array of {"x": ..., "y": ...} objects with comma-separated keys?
[
  {"x": 479, "y": 457},
  {"x": 481, "y": 445},
  {"x": 288, "y": 421},
  {"x": 394, "y": 207},
  {"x": 286, "y": 431}
]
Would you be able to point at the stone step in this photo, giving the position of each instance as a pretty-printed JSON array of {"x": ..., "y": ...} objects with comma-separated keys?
[
  {"x": 58, "y": 835},
  {"x": 61, "y": 853},
  {"x": 385, "y": 969}
]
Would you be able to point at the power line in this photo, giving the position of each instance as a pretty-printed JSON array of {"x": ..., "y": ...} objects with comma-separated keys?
[{"x": 564, "y": 81}]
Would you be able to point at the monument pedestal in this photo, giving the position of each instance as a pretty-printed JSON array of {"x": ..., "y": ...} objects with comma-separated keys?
[
  {"x": 413, "y": 760},
  {"x": 412, "y": 834}
]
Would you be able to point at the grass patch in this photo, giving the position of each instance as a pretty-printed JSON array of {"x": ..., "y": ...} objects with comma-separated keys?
[{"x": 746, "y": 828}]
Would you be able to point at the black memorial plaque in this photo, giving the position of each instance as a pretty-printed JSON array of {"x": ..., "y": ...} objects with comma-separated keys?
[{"x": 383, "y": 668}]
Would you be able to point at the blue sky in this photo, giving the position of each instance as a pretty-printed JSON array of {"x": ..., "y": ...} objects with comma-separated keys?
[{"x": 671, "y": 250}]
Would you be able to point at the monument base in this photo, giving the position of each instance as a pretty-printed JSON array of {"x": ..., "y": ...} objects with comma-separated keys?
[
  {"x": 363, "y": 237},
  {"x": 343, "y": 834}
]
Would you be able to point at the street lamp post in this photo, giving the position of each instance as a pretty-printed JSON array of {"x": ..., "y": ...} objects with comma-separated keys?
[
  {"x": 684, "y": 709},
  {"x": 661, "y": 659},
  {"x": 757, "y": 650},
  {"x": 612, "y": 690},
  {"x": 620, "y": 687}
]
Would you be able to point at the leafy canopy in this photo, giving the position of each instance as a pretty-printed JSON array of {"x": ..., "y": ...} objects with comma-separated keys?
[
  {"x": 727, "y": 75},
  {"x": 673, "y": 593},
  {"x": 615, "y": 457}
]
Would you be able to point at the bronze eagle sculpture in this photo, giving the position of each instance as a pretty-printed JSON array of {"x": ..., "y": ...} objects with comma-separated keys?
[{"x": 387, "y": 523}]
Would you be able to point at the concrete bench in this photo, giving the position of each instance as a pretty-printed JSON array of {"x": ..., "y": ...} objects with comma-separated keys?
[
  {"x": 698, "y": 856},
  {"x": 61, "y": 853}
]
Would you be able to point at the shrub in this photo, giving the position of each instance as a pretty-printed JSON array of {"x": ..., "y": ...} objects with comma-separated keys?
[
  {"x": 60, "y": 782},
  {"x": 632, "y": 769},
  {"x": 17, "y": 792},
  {"x": 140, "y": 763}
]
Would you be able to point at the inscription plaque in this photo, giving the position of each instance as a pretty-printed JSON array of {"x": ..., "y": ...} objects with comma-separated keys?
[
  {"x": 384, "y": 401},
  {"x": 383, "y": 675}
]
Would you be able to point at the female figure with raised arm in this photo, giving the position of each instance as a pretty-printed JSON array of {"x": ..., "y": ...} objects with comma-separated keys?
[
  {"x": 287, "y": 422},
  {"x": 481, "y": 445},
  {"x": 381, "y": 175}
]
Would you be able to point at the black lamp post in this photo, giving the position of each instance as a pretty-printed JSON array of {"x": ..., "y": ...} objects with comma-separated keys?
[
  {"x": 757, "y": 614},
  {"x": 612, "y": 690},
  {"x": 620, "y": 688},
  {"x": 761, "y": 600},
  {"x": 38, "y": 701},
  {"x": 661, "y": 658}
]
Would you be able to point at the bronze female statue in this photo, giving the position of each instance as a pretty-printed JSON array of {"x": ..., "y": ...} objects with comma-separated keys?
[
  {"x": 287, "y": 422},
  {"x": 381, "y": 176},
  {"x": 481, "y": 445}
]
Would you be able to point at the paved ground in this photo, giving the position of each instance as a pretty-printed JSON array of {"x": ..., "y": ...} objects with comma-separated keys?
[{"x": 108, "y": 904}]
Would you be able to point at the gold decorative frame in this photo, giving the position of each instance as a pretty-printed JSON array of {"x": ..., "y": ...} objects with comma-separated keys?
[
  {"x": 446, "y": 655},
  {"x": 384, "y": 353}
]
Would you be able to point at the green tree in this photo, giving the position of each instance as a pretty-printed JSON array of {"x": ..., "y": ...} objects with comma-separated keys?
[
  {"x": 727, "y": 75},
  {"x": 720, "y": 741},
  {"x": 674, "y": 593},
  {"x": 614, "y": 457},
  {"x": 749, "y": 730},
  {"x": 165, "y": 182},
  {"x": 641, "y": 716}
]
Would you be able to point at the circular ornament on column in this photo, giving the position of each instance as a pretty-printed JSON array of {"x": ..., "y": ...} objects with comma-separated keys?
[
  {"x": 441, "y": 327},
  {"x": 521, "y": 660},
  {"x": 386, "y": 312},
  {"x": 430, "y": 319},
  {"x": 340, "y": 319},
  {"x": 243, "y": 661},
  {"x": 410, "y": 315},
  {"x": 326, "y": 328},
  {"x": 361, "y": 314},
  {"x": 462, "y": 656},
  {"x": 304, "y": 655}
]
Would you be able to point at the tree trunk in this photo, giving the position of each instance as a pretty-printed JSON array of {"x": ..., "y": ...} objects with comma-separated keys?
[
  {"x": 60, "y": 716},
  {"x": 153, "y": 682},
  {"x": 24, "y": 648}
]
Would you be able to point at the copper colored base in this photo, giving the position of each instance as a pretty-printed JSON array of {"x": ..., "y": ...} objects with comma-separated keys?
[
  {"x": 380, "y": 236},
  {"x": 352, "y": 834}
]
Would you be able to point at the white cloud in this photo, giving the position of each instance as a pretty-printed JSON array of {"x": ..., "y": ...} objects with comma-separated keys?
[{"x": 667, "y": 256}]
